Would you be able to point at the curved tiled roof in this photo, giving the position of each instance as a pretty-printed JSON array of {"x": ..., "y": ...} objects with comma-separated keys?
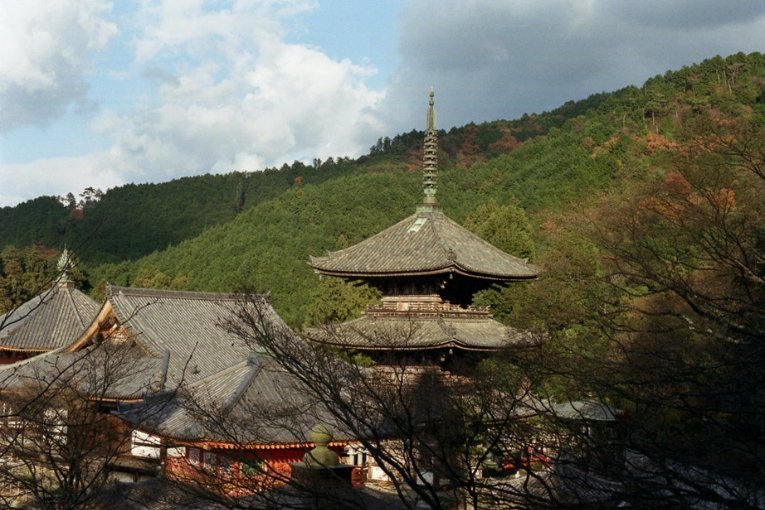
[
  {"x": 121, "y": 372},
  {"x": 248, "y": 403},
  {"x": 48, "y": 321},
  {"x": 188, "y": 325},
  {"x": 428, "y": 242},
  {"x": 160, "y": 339},
  {"x": 421, "y": 333}
]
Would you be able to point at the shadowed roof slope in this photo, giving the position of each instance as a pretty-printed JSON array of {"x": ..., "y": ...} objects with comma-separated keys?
[
  {"x": 154, "y": 339},
  {"x": 187, "y": 325},
  {"x": 428, "y": 242},
  {"x": 103, "y": 371},
  {"x": 371, "y": 333},
  {"x": 50, "y": 320},
  {"x": 254, "y": 402}
]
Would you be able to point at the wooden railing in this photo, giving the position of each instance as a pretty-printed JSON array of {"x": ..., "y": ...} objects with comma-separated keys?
[{"x": 425, "y": 306}]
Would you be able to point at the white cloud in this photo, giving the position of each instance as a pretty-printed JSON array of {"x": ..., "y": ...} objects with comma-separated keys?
[
  {"x": 232, "y": 95},
  {"x": 225, "y": 92},
  {"x": 45, "y": 49},
  {"x": 219, "y": 85},
  {"x": 57, "y": 176}
]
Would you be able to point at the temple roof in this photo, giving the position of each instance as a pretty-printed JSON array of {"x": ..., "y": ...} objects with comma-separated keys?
[
  {"x": 50, "y": 320},
  {"x": 585, "y": 410},
  {"x": 163, "y": 337},
  {"x": 188, "y": 325},
  {"x": 129, "y": 371},
  {"x": 399, "y": 333},
  {"x": 428, "y": 242},
  {"x": 249, "y": 403}
]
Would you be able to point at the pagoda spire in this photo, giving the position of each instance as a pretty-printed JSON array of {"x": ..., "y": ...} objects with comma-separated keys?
[
  {"x": 430, "y": 157},
  {"x": 64, "y": 266}
]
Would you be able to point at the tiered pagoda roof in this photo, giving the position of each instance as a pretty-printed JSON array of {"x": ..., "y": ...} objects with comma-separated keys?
[
  {"x": 404, "y": 332},
  {"x": 426, "y": 243},
  {"x": 420, "y": 263}
]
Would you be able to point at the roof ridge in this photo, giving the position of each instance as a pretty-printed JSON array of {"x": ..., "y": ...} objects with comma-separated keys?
[
  {"x": 181, "y": 294},
  {"x": 74, "y": 306},
  {"x": 450, "y": 255},
  {"x": 206, "y": 380},
  {"x": 253, "y": 368}
]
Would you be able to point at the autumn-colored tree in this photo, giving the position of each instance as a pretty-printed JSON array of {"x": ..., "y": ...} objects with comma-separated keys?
[{"x": 668, "y": 323}]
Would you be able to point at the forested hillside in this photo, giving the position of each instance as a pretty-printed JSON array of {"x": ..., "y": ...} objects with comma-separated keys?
[
  {"x": 128, "y": 222},
  {"x": 224, "y": 232},
  {"x": 133, "y": 220},
  {"x": 643, "y": 207}
]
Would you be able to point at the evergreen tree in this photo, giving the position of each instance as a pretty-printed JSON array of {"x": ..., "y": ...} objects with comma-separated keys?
[{"x": 504, "y": 226}]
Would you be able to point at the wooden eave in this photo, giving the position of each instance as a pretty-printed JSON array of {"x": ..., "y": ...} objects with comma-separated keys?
[
  {"x": 432, "y": 272},
  {"x": 117, "y": 400},
  {"x": 94, "y": 328},
  {"x": 453, "y": 344},
  {"x": 5, "y": 348}
]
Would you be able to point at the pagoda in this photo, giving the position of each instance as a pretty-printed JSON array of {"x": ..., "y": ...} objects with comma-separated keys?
[
  {"x": 427, "y": 267},
  {"x": 48, "y": 321}
]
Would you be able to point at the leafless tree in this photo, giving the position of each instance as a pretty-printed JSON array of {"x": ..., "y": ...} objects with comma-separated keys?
[
  {"x": 435, "y": 435},
  {"x": 58, "y": 441},
  {"x": 679, "y": 363},
  {"x": 671, "y": 330}
]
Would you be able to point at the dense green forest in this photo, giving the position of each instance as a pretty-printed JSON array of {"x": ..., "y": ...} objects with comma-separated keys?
[
  {"x": 128, "y": 222},
  {"x": 642, "y": 206},
  {"x": 256, "y": 230}
]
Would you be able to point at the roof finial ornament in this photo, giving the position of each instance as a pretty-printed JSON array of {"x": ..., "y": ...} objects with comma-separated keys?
[
  {"x": 64, "y": 266},
  {"x": 430, "y": 158}
]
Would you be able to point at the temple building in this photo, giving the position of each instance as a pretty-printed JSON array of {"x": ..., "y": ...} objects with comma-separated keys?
[
  {"x": 427, "y": 267},
  {"x": 235, "y": 432},
  {"x": 52, "y": 319},
  {"x": 181, "y": 394}
]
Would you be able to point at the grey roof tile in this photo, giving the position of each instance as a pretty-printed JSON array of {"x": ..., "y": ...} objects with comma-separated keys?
[
  {"x": 172, "y": 338},
  {"x": 105, "y": 371},
  {"x": 418, "y": 333},
  {"x": 187, "y": 324},
  {"x": 52, "y": 319},
  {"x": 428, "y": 242},
  {"x": 255, "y": 401}
]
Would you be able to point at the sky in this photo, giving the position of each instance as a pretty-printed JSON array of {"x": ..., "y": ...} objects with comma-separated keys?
[{"x": 103, "y": 93}]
